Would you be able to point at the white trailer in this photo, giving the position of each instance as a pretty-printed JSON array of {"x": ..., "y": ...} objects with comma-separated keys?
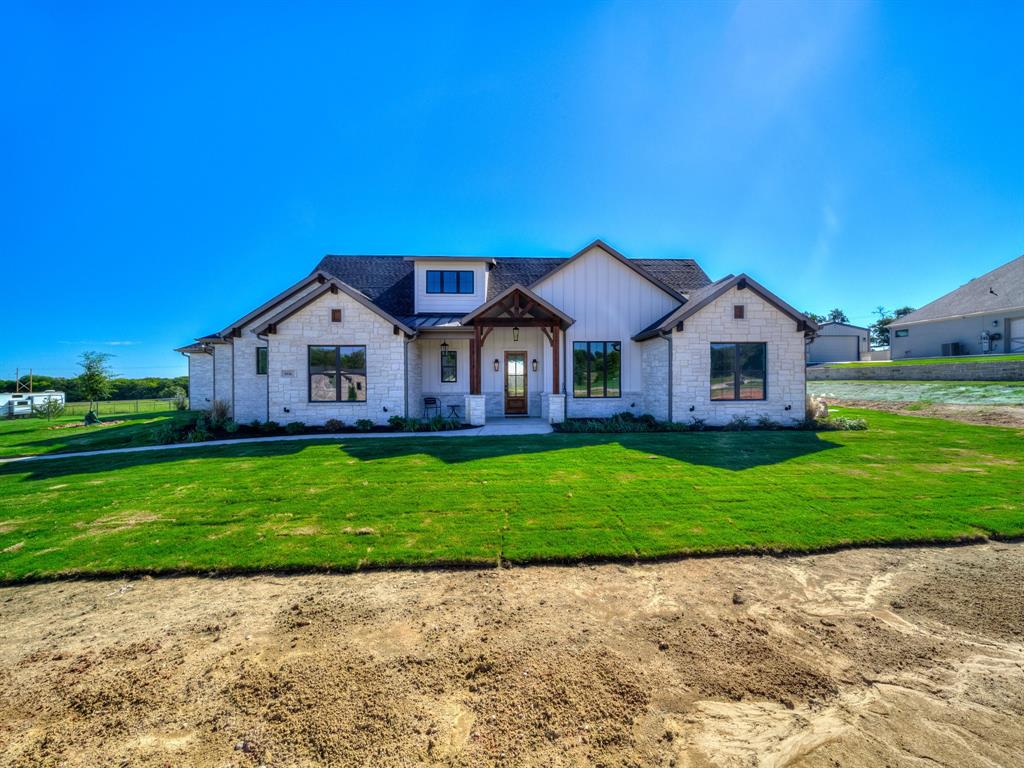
[{"x": 23, "y": 403}]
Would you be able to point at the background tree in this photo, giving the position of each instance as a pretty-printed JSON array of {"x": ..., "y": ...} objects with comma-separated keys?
[
  {"x": 837, "y": 316},
  {"x": 880, "y": 328},
  {"x": 94, "y": 382},
  {"x": 819, "y": 319}
]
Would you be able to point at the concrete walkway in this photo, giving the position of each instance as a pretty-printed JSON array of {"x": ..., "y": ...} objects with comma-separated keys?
[{"x": 494, "y": 428}]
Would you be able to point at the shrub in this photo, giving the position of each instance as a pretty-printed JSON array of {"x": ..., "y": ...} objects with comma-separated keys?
[
  {"x": 364, "y": 425},
  {"x": 269, "y": 427},
  {"x": 452, "y": 423},
  {"x": 765, "y": 422},
  {"x": 816, "y": 408},
  {"x": 738, "y": 423},
  {"x": 220, "y": 412},
  {"x": 198, "y": 435},
  {"x": 697, "y": 425},
  {"x": 166, "y": 434},
  {"x": 843, "y": 424},
  {"x": 181, "y": 404},
  {"x": 397, "y": 423},
  {"x": 254, "y": 424},
  {"x": 294, "y": 427},
  {"x": 411, "y": 425},
  {"x": 231, "y": 426},
  {"x": 334, "y": 425},
  {"x": 437, "y": 423}
]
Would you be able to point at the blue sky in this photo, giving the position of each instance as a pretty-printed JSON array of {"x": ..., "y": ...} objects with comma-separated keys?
[{"x": 169, "y": 166}]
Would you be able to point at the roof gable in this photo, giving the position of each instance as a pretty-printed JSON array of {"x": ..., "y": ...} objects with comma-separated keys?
[
  {"x": 703, "y": 297},
  {"x": 632, "y": 264},
  {"x": 331, "y": 285},
  {"x": 1002, "y": 288}
]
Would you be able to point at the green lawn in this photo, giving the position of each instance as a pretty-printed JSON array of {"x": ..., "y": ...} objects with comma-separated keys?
[
  {"x": 374, "y": 502},
  {"x": 26, "y": 437},
  {"x": 957, "y": 392},
  {"x": 931, "y": 361}
]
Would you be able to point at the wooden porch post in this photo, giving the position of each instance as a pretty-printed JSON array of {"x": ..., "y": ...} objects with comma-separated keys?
[
  {"x": 554, "y": 360},
  {"x": 474, "y": 361}
]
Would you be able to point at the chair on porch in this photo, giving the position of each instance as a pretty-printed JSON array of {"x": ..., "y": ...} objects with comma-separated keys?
[{"x": 431, "y": 404}]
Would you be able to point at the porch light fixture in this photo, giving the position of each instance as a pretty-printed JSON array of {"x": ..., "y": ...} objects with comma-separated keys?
[
  {"x": 497, "y": 364},
  {"x": 444, "y": 347},
  {"x": 535, "y": 365},
  {"x": 515, "y": 333}
]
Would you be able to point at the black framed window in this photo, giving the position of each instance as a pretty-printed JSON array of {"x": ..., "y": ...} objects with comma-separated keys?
[
  {"x": 261, "y": 360},
  {"x": 449, "y": 367},
  {"x": 597, "y": 369},
  {"x": 449, "y": 281},
  {"x": 738, "y": 371},
  {"x": 337, "y": 374},
  {"x": 902, "y": 333}
]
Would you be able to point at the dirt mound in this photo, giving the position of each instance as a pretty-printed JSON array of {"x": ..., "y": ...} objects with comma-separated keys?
[{"x": 861, "y": 658}]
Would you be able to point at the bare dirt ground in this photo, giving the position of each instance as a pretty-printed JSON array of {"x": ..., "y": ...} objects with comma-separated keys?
[
  {"x": 988, "y": 415},
  {"x": 885, "y": 657}
]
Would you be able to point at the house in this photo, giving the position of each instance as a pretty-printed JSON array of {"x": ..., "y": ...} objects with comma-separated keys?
[
  {"x": 370, "y": 337},
  {"x": 984, "y": 316},
  {"x": 839, "y": 343}
]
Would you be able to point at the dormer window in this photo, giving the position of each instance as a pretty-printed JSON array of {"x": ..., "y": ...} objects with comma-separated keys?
[{"x": 449, "y": 281}]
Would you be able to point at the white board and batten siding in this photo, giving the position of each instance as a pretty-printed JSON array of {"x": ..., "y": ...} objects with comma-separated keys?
[
  {"x": 450, "y": 303},
  {"x": 609, "y": 302}
]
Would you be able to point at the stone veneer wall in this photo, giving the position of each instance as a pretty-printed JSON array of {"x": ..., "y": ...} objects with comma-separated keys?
[
  {"x": 222, "y": 357},
  {"x": 250, "y": 396},
  {"x": 200, "y": 381},
  {"x": 414, "y": 361},
  {"x": 691, "y": 361},
  {"x": 980, "y": 371},
  {"x": 385, "y": 363},
  {"x": 654, "y": 358}
]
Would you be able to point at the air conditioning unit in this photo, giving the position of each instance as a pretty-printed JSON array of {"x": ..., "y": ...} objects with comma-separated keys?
[{"x": 952, "y": 349}]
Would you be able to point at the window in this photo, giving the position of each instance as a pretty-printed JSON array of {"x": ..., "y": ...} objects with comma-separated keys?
[
  {"x": 449, "y": 281},
  {"x": 337, "y": 374},
  {"x": 335, "y": 315},
  {"x": 738, "y": 371},
  {"x": 737, "y": 311},
  {"x": 596, "y": 368},
  {"x": 261, "y": 360},
  {"x": 449, "y": 366},
  {"x": 902, "y": 333}
]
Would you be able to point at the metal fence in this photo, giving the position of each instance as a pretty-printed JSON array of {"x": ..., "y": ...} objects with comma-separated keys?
[{"x": 113, "y": 407}]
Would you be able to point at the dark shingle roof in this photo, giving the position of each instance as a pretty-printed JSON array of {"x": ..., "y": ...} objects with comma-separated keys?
[
  {"x": 1002, "y": 288},
  {"x": 388, "y": 280}
]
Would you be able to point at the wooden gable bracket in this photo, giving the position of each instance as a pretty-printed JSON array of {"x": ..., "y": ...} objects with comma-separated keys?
[
  {"x": 741, "y": 285},
  {"x": 321, "y": 279},
  {"x": 679, "y": 326},
  {"x": 272, "y": 328},
  {"x": 334, "y": 288},
  {"x": 236, "y": 332},
  {"x": 395, "y": 330}
]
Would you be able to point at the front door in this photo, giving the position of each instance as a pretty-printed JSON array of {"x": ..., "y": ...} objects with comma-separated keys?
[{"x": 515, "y": 383}]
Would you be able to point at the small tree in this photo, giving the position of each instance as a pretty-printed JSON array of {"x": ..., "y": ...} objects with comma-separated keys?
[
  {"x": 880, "y": 328},
  {"x": 837, "y": 316},
  {"x": 94, "y": 381},
  {"x": 819, "y": 319},
  {"x": 50, "y": 409}
]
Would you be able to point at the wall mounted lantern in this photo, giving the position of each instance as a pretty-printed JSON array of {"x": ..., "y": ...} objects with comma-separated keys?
[
  {"x": 497, "y": 364},
  {"x": 444, "y": 347},
  {"x": 535, "y": 365},
  {"x": 515, "y": 333}
]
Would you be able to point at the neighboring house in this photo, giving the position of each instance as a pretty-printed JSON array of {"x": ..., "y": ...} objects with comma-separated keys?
[
  {"x": 370, "y": 337},
  {"x": 839, "y": 343},
  {"x": 984, "y": 316}
]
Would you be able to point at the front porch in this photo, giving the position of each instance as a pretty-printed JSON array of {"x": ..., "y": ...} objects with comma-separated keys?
[{"x": 506, "y": 362}]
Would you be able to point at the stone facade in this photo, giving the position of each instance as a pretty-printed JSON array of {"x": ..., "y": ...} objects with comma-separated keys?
[
  {"x": 691, "y": 361},
  {"x": 311, "y": 326},
  {"x": 1012, "y": 370},
  {"x": 200, "y": 381},
  {"x": 223, "y": 373},
  {"x": 250, "y": 395},
  {"x": 654, "y": 359}
]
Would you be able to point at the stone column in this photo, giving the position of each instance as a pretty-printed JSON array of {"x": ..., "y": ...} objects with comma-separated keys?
[
  {"x": 476, "y": 410},
  {"x": 553, "y": 408}
]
